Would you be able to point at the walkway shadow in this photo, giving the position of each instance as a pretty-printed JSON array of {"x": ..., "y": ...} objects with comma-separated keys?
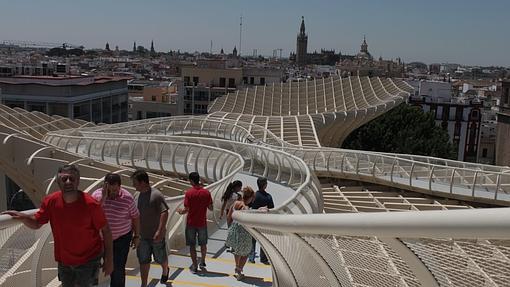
[
  {"x": 259, "y": 282},
  {"x": 205, "y": 273}
]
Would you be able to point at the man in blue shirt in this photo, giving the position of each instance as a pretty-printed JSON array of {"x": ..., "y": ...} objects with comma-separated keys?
[{"x": 262, "y": 199}]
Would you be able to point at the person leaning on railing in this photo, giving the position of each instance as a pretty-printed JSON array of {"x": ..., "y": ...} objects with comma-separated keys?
[
  {"x": 238, "y": 238},
  {"x": 265, "y": 200},
  {"x": 77, "y": 222},
  {"x": 229, "y": 197}
]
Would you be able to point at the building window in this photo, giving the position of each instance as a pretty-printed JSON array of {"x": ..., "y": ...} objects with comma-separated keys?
[
  {"x": 195, "y": 81},
  {"x": 262, "y": 81},
  {"x": 222, "y": 82},
  {"x": 474, "y": 115},
  {"x": 252, "y": 81},
  {"x": 231, "y": 82},
  {"x": 484, "y": 152},
  {"x": 506, "y": 95},
  {"x": 245, "y": 80},
  {"x": 153, "y": 98},
  {"x": 186, "y": 81}
]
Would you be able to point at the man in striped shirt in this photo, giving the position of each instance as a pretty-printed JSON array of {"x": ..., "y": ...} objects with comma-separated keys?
[{"x": 124, "y": 220}]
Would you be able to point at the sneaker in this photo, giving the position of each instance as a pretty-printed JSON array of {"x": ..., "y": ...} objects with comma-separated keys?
[
  {"x": 164, "y": 278},
  {"x": 202, "y": 265},
  {"x": 239, "y": 276},
  {"x": 193, "y": 269}
]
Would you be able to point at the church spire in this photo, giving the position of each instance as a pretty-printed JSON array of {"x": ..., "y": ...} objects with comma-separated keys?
[
  {"x": 364, "y": 45},
  {"x": 302, "y": 29},
  {"x": 152, "y": 48}
]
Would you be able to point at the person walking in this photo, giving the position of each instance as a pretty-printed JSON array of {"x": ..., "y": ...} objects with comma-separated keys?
[
  {"x": 77, "y": 223},
  {"x": 153, "y": 218},
  {"x": 262, "y": 199},
  {"x": 196, "y": 202},
  {"x": 124, "y": 221},
  {"x": 238, "y": 238}
]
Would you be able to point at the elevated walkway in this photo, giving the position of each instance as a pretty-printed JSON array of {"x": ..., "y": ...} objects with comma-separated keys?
[{"x": 219, "y": 271}]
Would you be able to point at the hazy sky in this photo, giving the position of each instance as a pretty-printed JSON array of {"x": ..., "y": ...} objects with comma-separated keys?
[{"x": 467, "y": 32}]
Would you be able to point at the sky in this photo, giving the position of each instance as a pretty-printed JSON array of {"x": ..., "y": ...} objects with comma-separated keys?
[{"x": 470, "y": 32}]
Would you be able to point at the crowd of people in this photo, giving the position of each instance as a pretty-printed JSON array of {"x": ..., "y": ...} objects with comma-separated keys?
[{"x": 94, "y": 232}]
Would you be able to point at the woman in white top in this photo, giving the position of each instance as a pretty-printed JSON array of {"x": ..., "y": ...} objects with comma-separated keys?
[{"x": 230, "y": 196}]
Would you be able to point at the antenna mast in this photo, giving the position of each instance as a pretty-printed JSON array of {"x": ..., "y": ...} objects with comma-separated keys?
[{"x": 240, "y": 34}]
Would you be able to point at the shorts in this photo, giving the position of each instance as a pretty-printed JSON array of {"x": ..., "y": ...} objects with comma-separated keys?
[
  {"x": 193, "y": 232},
  {"x": 84, "y": 275},
  {"x": 147, "y": 248}
]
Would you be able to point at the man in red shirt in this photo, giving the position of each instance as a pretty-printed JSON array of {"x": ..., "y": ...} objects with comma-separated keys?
[
  {"x": 196, "y": 202},
  {"x": 76, "y": 221}
]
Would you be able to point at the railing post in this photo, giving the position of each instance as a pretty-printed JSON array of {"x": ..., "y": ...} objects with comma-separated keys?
[
  {"x": 342, "y": 163},
  {"x": 118, "y": 151},
  {"x": 430, "y": 177},
  {"x": 474, "y": 183},
  {"x": 327, "y": 162},
  {"x": 357, "y": 163},
  {"x": 498, "y": 181},
  {"x": 315, "y": 160},
  {"x": 393, "y": 168},
  {"x": 451, "y": 179},
  {"x": 373, "y": 166},
  {"x": 411, "y": 174}
]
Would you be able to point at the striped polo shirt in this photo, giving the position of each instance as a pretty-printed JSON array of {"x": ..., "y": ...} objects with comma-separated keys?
[{"x": 119, "y": 211}]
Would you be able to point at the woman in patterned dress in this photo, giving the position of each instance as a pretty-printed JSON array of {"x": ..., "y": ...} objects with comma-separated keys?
[{"x": 238, "y": 238}]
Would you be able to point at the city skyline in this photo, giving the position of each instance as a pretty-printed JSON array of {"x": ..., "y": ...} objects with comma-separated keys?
[{"x": 464, "y": 32}]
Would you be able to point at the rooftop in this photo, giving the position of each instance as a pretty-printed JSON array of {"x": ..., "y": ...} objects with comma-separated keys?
[{"x": 66, "y": 80}]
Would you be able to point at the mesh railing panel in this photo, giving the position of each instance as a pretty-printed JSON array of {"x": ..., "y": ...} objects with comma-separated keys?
[
  {"x": 295, "y": 253},
  {"x": 464, "y": 262}
]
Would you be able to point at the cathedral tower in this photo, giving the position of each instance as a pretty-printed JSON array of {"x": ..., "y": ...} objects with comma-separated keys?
[{"x": 302, "y": 41}]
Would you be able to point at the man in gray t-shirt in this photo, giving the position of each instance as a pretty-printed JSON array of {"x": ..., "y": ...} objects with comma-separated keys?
[
  {"x": 151, "y": 205},
  {"x": 153, "y": 217}
]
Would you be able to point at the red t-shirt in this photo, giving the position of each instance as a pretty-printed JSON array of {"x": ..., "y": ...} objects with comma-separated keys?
[
  {"x": 75, "y": 227},
  {"x": 197, "y": 199}
]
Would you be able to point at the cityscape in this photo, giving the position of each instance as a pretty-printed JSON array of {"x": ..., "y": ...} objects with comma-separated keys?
[{"x": 384, "y": 170}]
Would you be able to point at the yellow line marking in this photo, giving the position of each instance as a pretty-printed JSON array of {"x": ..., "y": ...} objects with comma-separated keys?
[
  {"x": 231, "y": 262},
  {"x": 181, "y": 282},
  {"x": 198, "y": 284},
  {"x": 265, "y": 279}
]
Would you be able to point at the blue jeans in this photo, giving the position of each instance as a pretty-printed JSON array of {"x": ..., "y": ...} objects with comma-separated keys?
[
  {"x": 120, "y": 255},
  {"x": 263, "y": 257}
]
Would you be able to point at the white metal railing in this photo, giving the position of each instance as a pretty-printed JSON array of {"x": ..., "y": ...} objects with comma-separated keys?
[
  {"x": 30, "y": 258},
  {"x": 425, "y": 174},
  {"x": 405, "y": 172},
  {"x": 470, "y": 248},
  {"x": 278, "y": 166}
]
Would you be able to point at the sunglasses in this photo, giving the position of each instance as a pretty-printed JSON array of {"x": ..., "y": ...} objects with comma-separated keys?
[{"x": 65, "y": 178}]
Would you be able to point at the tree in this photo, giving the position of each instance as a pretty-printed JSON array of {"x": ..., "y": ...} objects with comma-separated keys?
[{"x": 405, "y": 129}]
